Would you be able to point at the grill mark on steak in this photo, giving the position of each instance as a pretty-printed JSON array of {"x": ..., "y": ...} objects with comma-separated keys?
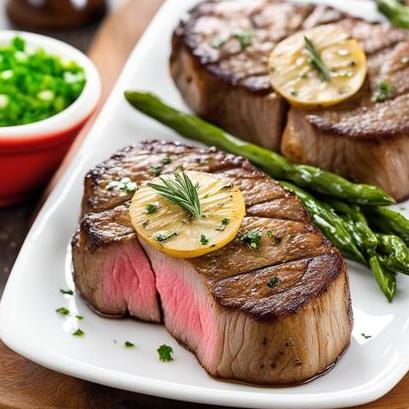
[
  {"x": 200, "y": 301},
  {"x": 296, "y": 283},
  {"x": 270, "y": 21},
  {"x": 135, "y": 162}
]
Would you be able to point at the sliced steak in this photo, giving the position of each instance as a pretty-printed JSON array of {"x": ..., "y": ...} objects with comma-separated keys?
[
  {"x": 227, "y": 83},
  {"x": 221, "y": 305},
  {"x": 111, "y": 271}
]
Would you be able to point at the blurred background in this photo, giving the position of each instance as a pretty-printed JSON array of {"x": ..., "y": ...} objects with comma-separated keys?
[{"x": 72, "y": 21}]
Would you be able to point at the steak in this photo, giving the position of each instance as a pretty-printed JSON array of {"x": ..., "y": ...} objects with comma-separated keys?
[
  {"x": 277, "y": 315},
  {"x": 225, "y": 80}
]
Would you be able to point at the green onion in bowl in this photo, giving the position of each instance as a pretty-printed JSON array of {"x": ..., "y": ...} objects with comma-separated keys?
[{"x": 34, "y": 84}]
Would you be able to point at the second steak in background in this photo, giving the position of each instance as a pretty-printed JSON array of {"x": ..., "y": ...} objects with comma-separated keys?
[{"x": 220, "y": 64}]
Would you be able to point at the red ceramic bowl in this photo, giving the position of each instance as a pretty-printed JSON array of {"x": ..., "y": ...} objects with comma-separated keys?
[{"x": 30, "y": 154}]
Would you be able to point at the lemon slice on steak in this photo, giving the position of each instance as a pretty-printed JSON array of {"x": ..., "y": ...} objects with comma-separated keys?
[
  {"x": 187, "y": 214},
  {"x": 318, "y": 68}
]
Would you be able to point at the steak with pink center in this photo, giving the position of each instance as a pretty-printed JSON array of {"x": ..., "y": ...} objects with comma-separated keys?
[{"x": 276, "y": 314}]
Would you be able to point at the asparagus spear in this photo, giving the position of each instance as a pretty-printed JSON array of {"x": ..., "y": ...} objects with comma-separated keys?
[
  {"x": 394, "y": 254},
  {"x": 366, "y": 239},
  {"x": 388, "y": 221},
  {"x": 331, "y": 225},
  {"x": 395, "y": 12},
  {"x": 385, "y": 278},
  {"x": 275, "y": 165}
]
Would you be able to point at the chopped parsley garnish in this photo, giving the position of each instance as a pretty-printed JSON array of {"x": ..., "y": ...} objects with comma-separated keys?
[
  {"x": 383, "y": 91},
  {"x": 128, "y": 344},
  {"x": 316, "y": 61},
  {"x": 63, "y": 311},
  {"x": 252, "y": 238},
  {"x": 204, "y": 240},
  {"x": 67, "y": 292},
  {"x": 78, "y": 333},
  {"x": 124, "y": 185},
  {"x": 151, "y": 208},
  {"x": 79, "y": 317},
  {"x": 245, "y": 38},
  {"x": 156, "y": 170},
  {"x": 224, "y": 224},
  {"x": 273, "y": 281},
  {"x": 164, "y": 237},
  {"x": 165, "y": 353},
  {"x": 145, "y": 223},
  {"x": 365, "y": 336},
  {"x": 166, "y": 160},
  {"x": 294, "y": 92}
]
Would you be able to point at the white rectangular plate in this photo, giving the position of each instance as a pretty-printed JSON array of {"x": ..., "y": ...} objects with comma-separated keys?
[{"x": 30, "y": 326}]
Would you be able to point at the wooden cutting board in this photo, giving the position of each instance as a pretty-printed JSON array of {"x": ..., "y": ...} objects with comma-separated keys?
[{"x": 24, "y": 384}]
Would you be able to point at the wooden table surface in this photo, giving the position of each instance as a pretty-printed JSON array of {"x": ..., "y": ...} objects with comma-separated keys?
[{"x": 24, "y": 384}]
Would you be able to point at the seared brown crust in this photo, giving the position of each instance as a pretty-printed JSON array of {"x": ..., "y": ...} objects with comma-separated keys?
[
  {"x": 103, "y": 229},
  {"x": 214, "y": 22},
  {"x": 292, "y": 241},
  {"x": 300, "y": 282},
  {"x": 135, "y": 161},
  {"x": 138, "y": 161}
]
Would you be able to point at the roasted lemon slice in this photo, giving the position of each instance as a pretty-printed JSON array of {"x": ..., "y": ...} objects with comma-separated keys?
[
  {"x": 318, "y": 67},
  {"x": 187, "y": 214}
]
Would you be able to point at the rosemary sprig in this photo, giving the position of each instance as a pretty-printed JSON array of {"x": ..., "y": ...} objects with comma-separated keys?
[
  {"x": 316, "y": 60},
  {"x": 181, "y": 191}
]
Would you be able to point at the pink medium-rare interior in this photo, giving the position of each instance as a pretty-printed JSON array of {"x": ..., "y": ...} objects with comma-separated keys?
[
  {"x": 188, "y": 308},
  {"x": 129, "y": 282}
]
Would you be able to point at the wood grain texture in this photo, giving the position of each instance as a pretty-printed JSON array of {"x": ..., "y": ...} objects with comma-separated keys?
[{"x": 24, "y": 384}]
